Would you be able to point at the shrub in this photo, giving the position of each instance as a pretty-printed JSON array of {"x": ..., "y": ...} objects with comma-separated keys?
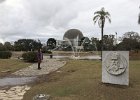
[
  {"x": 5, "y": 54},
  {"x": 30, "y": 56},
  {"x": 46, "y": 51},
  {"x": 49, "y": 52}
]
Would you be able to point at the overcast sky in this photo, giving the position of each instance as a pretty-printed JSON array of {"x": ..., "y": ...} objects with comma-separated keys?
[{"x": 43, "y": 19}]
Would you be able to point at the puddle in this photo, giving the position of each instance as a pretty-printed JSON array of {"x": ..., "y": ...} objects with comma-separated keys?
[{"x": 16, "y": 81}]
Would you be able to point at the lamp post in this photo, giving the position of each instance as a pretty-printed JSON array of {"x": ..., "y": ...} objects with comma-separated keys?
[{"x": 116, "y": 37}]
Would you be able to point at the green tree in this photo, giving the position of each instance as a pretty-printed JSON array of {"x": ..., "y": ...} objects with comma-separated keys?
[
  {"x": 88, "y": 45},
  {"x": 108, "y": 42},
  {"x": 27, "y": 45},
  {"x": 8, "y": 46},
  {"x": 2, "y": 48},
  {"x": 100, "y": 17},
  {"x": 130, "y": 41},
  {"x": 51, "y": 43},
  {"x": 97, "y": 43}
]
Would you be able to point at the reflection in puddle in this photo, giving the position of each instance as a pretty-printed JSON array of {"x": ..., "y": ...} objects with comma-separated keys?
[{"x": 16, "y": 81}]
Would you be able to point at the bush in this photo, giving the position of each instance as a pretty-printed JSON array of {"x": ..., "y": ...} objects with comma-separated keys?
[
  {"x": 49, "y": 52},
  {"x": 30, "y": 56},
  {"x": 46, "y": 51},
  {"x": 5, "y": 54}
]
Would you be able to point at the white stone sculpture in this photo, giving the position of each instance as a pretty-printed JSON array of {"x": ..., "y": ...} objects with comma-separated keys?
[
  {"x": 115, "y": 63},
  {"x": 115, "y": 67}
]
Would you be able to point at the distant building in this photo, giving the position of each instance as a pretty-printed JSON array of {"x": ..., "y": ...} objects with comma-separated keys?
[{"x": 74, "y": 36}]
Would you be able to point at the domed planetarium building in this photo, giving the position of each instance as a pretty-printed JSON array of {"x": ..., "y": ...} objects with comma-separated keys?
[{"x": 73, "y": 35}]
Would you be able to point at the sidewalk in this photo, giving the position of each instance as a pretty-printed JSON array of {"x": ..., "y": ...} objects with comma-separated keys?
[{"x": 47, "y": 66}]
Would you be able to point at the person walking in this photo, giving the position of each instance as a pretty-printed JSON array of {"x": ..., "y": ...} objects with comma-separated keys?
[{"x": 39, "y": 58}]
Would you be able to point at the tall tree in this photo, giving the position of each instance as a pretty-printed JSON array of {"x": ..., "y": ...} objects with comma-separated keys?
[
  {"x": 130, "y": 41},
  {"x": 108, "y": 42},
  {"x": 51, "y": 43},
  {"x": 8, "y": 46},
  {"x": 85, "y": 41},
  {"x": 2, "y": 48},
  {"x": 100, "y": 17},
  {"x": 27, "y": 45}
]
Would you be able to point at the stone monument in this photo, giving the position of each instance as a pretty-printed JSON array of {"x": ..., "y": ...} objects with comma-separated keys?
[{"x": 115, "y": 67}]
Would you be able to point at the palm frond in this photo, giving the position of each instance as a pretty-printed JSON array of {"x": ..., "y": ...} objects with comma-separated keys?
[
  {"x": 95, "y": 20},
  {"x": 107, "y": 13},
  {"x": 98, "y": 12},
  {"x": 100, "y": 23},
  {"x": 103, "y": 9},
  {"x": 96, "y": 16},
  {"x": 109, "y": 19},
  {"x": 100, "y": 16}
]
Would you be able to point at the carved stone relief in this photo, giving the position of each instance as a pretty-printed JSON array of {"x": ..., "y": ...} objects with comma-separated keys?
[{"x": 115, "y": 63}]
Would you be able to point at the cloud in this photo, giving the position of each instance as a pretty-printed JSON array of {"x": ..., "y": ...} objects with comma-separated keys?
[
  {"x": 57, "y": 13},
  {"x": 24, "y": 17},
  {"x": 52, "y": 18},
  {"x": 1, "y": 1}
]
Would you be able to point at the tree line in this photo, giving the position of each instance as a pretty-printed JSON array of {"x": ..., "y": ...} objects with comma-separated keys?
[
  {"x": 21, "y": 45},
  {"x": 129, "y": 41}
]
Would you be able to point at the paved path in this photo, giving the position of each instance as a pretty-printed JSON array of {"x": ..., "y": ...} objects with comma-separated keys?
[
  {"x": 47, "y": 66},
  {"x": 14, "y": 93},
  {"x": 17, "y": 92}
]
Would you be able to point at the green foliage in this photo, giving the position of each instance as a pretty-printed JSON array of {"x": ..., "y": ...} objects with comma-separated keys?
[
  {"x": 5, "y": 54},
  {"x": 100, "y": 17},
  {"x": 89, "y": 47},
  {"x": 30, "y": 56},
  {"x": 51, "y": 43},
  {"x": 130, "y": 41},
  {"x": 27, "y": 45},
  {"x": 8, "y": 46},
  {"x": 45, "y": 50},
  {"x": 108, "y": 42},
  {"x": 2, "y": 48}
]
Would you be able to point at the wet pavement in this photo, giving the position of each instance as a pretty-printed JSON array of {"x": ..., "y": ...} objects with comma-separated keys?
[{"x": 7, "y": 81}]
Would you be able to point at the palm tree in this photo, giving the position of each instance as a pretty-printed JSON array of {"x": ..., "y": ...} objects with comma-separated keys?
[{"x": 101, "y": 16}]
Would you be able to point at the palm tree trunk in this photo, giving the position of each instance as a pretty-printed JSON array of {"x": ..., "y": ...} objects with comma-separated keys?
[{"x": 102, "y": 30}]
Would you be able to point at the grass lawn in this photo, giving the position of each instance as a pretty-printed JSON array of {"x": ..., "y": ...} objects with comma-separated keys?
[
  {"x": 12, "y": 65},
  {"x": 81, "y": 80}
]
